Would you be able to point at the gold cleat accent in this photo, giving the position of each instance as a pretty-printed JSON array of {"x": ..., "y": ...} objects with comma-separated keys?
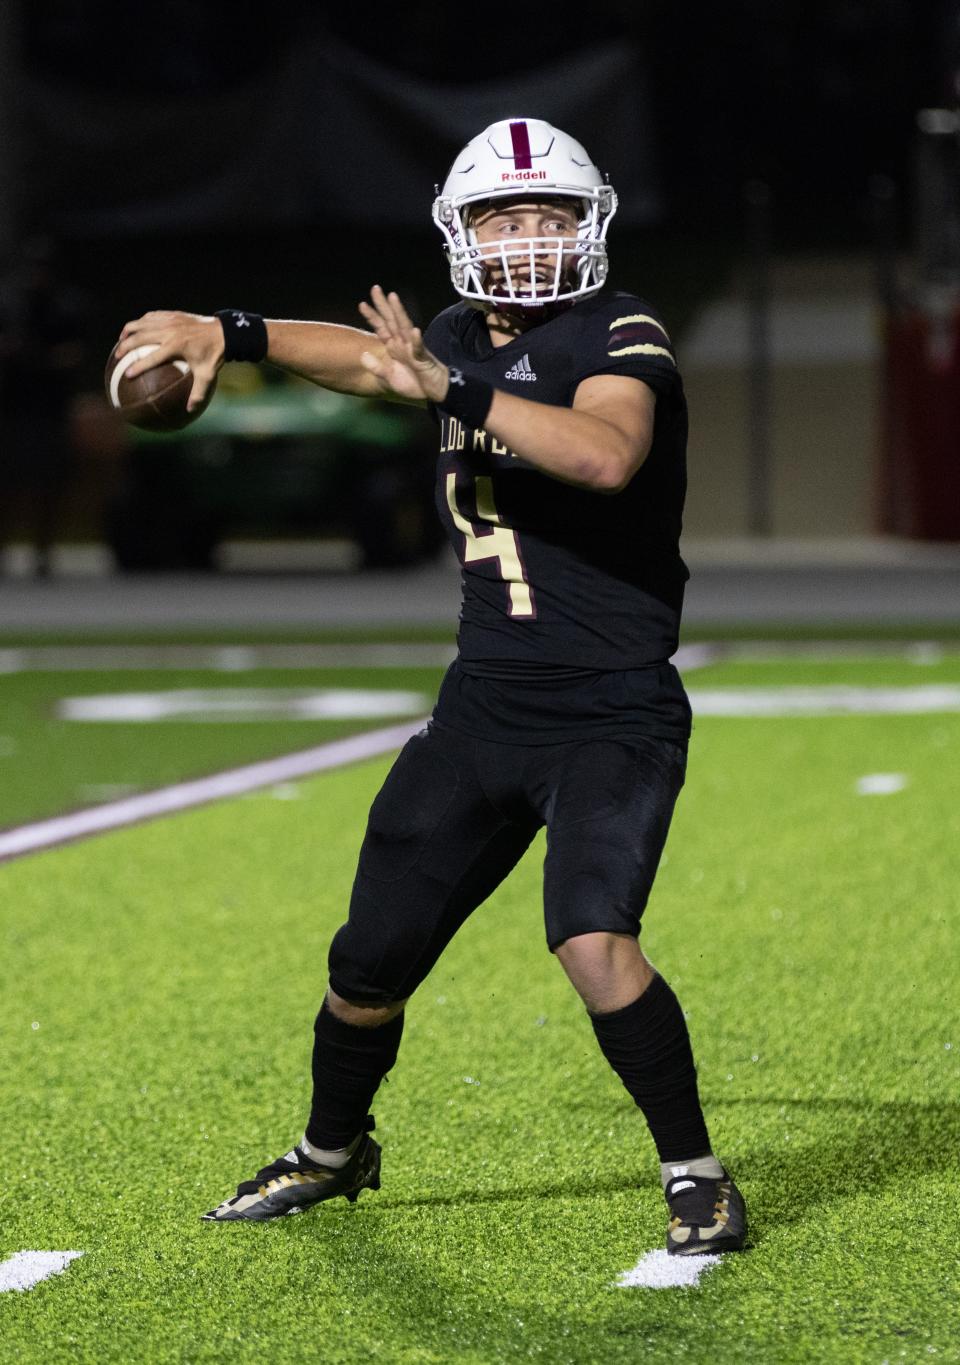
[{"x": 300, "y": 1186}]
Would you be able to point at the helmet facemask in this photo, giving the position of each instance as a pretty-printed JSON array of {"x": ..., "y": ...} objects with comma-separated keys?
[{"x": 530, "y": 273}]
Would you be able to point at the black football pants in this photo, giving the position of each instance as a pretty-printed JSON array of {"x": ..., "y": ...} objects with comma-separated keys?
[{"x": 456, "y": 814}]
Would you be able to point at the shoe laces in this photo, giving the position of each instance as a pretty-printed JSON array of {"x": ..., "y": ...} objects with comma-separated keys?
[{"x": 293, "y": 1161}]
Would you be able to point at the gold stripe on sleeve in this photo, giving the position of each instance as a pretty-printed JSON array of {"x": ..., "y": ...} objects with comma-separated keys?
[
  {"x": 639, "y": 317},
  {"x": 647, "y": 348}
]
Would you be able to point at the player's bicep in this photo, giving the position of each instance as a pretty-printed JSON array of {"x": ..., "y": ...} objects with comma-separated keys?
[{"x": 627, "y": 404}]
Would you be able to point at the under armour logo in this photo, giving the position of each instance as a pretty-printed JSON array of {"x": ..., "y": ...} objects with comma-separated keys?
[{"x": 456, "y": 377}]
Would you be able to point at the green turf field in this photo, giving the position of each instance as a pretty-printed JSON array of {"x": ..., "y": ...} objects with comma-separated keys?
[{"x": 159, "y": 987}]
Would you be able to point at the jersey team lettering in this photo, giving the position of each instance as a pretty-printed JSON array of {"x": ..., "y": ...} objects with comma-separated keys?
[{"x": 454, "y": 437}]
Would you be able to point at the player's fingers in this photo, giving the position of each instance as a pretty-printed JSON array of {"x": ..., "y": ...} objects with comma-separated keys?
[
  {"x": 147, "y": 337},
  {"x": 135, "y": 332},
  {"x": 385, "y": 310},
  {"x": 400, "y": 313},
  {"x": 163, "y": 350},
  {"x": 398, "y": 317},
  {"x": 150, "y": 322},
  {"x": 159, "y": 317},
  {"x": 205, "y": 377},
  {"x": 399, "y": 349},
  {"x": 412, "y": 352},
  {"x": 202, "y": 382},
  {"x": 378, "y": 324}
]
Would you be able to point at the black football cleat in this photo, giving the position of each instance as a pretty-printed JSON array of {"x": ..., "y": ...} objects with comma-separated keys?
[
  {"x": 706, "y": 1216},
  {"x": 294, "y": 1183}
]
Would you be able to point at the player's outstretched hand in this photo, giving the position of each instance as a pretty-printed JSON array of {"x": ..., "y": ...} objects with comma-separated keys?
[
  {"x": 185, "y": 336},
  {"x": 403, "y": 366}
]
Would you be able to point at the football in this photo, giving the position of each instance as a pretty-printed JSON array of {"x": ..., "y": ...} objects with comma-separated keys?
[{"x": 155, "y": 400}]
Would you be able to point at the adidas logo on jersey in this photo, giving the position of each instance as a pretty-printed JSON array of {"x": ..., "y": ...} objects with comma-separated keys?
[{"x": 521, "y": 370}]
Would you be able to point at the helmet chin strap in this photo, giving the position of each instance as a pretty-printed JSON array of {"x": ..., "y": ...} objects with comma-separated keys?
[{"x": 518, "y": 311}]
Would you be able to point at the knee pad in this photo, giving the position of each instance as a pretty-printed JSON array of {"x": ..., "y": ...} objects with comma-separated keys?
[
  {"x": 373, "y": 957},
  {"x": 353, "y": 961}
]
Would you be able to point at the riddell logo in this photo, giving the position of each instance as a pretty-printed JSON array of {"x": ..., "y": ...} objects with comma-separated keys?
[{"x": 523, "y": 175}]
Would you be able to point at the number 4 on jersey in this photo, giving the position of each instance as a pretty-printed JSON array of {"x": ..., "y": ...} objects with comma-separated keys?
[{"x": 499, "y": 543}]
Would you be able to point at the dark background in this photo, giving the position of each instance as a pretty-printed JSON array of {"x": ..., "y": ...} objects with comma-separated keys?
[
  {"x": 815, "y": 99},
  {"x": 284, "y": 159}
]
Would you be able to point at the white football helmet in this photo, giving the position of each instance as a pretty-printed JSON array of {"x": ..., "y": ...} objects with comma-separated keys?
[{"x": 525, "y": 158}]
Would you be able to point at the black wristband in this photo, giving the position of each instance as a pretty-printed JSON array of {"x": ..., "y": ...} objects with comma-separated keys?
[
  {"x": 468, "y": 399},
  {"x": 244, "y": 335}
]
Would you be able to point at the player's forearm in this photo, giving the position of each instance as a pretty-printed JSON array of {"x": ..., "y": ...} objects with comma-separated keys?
[
  {"x": 575, "y": 447},
  {"x": 326, "y": 353}
]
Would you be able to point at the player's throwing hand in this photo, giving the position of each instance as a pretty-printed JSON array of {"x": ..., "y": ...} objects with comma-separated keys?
[{"x": 405, "y": 367}]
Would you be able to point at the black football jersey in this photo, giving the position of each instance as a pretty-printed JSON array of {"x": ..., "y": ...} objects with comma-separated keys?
[{"x": 555, "y": 575}]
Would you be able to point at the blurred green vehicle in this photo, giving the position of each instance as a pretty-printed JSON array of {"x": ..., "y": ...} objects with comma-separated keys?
[{"x": 273, "y": 457}]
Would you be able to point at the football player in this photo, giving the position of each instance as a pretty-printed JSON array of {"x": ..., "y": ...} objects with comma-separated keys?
[{"x": 561, "y": 480}]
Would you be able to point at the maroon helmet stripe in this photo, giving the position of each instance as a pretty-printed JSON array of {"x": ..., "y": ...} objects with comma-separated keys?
[{"x": 521, "y": 146}]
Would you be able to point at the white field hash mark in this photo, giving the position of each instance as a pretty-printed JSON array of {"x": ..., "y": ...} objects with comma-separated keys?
[
  {"x": 659, "y": 1270},
  {"x": 24, "y": 1269},
  {"x": 834, "y": 700},
  {"x": 881, "y": 784},
  {"x": 244, "y": 704}
]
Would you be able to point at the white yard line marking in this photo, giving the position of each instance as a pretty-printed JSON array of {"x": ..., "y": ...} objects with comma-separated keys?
[
  {"x": 920, "y": 652},
  {"x": 244, "y": 704},
  {"x": 881, "y": 784},
  {"x": 132, "y": 810},
  {"x": 658, "y": 1270},
  {"x": 24, "y": 1269},
  {"x": 837, "y": 700},
  {"x": 221, "y": 658}
]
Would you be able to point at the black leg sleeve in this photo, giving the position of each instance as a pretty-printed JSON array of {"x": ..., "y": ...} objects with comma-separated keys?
[
  {"x": 348, "y": 1065},
  {"x": 648, "y": 1046}
]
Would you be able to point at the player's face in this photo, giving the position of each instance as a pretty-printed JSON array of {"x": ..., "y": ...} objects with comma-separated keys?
[{"x": 526, "y": 241}]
